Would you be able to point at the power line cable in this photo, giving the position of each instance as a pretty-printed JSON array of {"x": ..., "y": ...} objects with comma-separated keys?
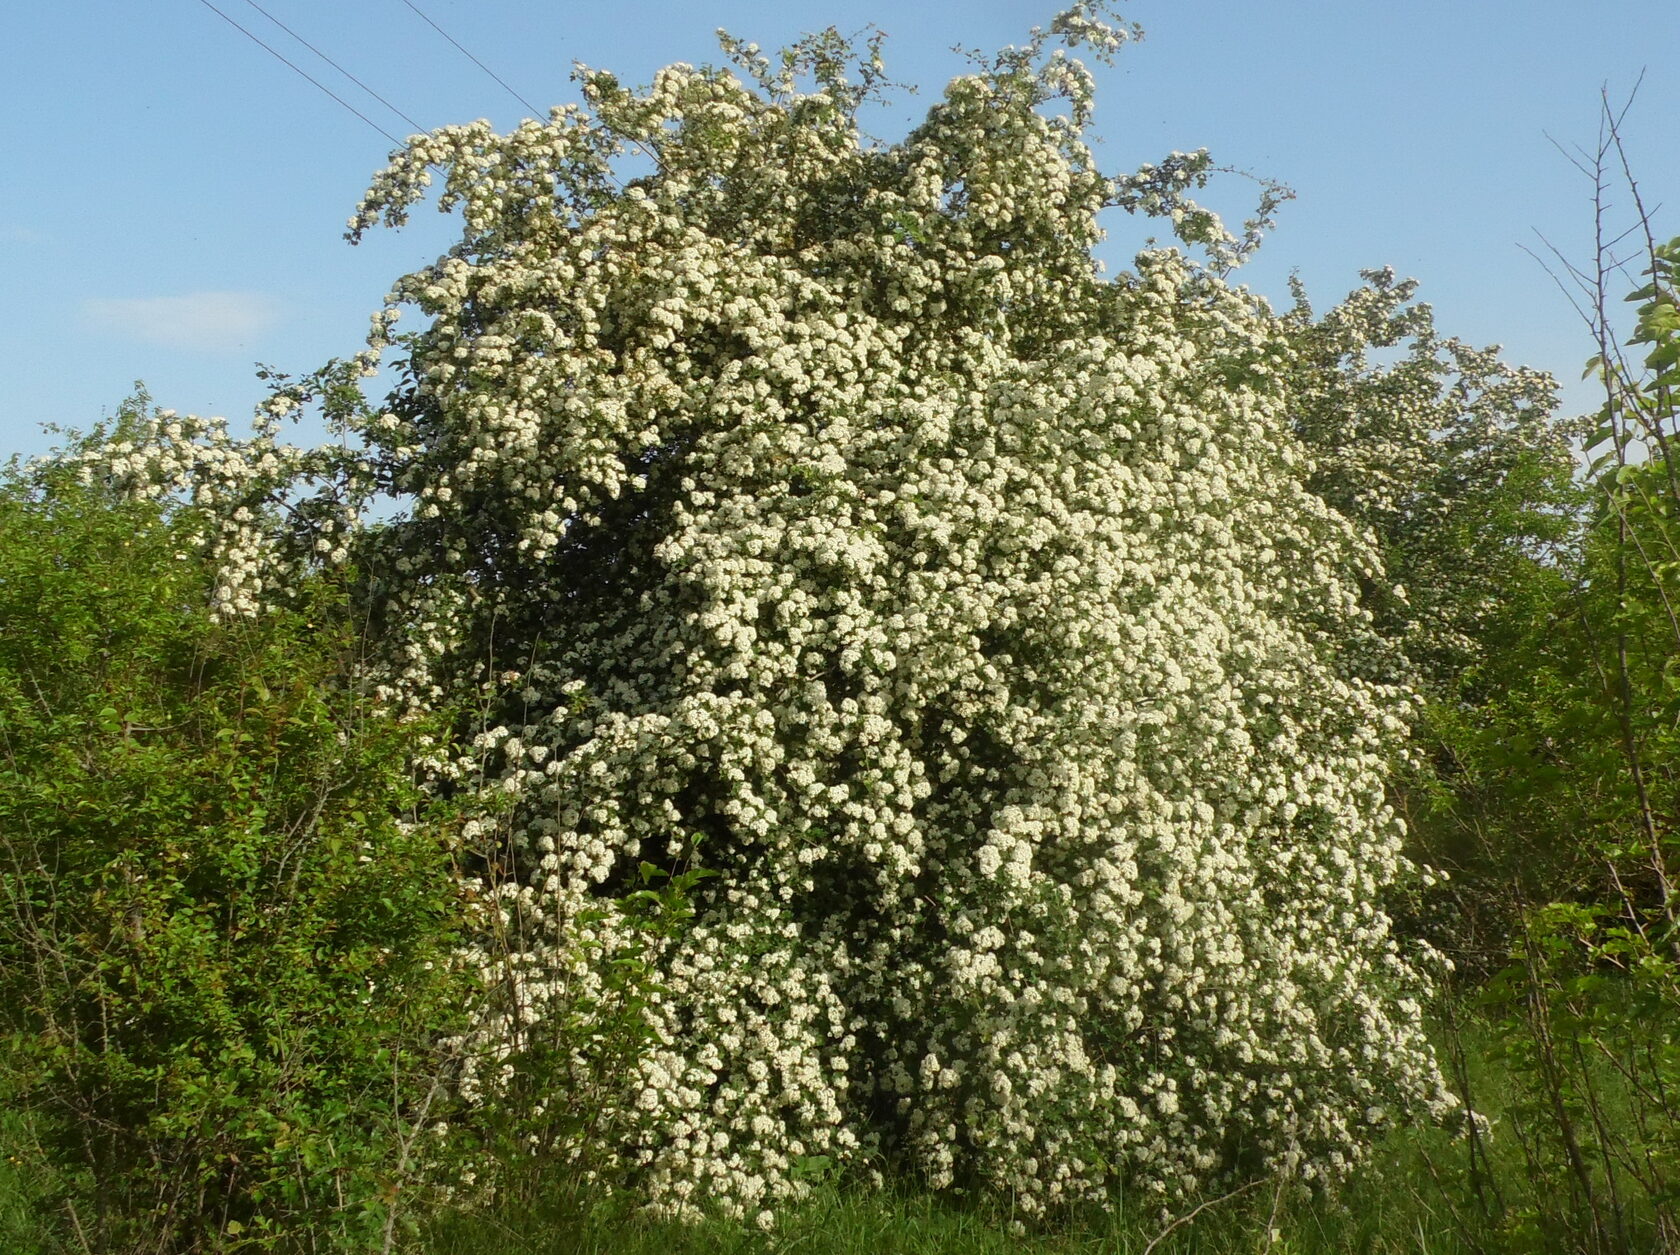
[
  {"x": 329, "y": 91},
  {"x": 535, "y": 112},
  {"x": 335, "y": 65}
]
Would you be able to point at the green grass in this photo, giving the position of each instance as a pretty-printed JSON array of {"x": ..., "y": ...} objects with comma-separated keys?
[
  {"x": 1392, "y": 1206},
  {"x": 23, "y": 1182},
  {"x": 857, "y": 1222},
  {"x": 1416, "y": 1196}
]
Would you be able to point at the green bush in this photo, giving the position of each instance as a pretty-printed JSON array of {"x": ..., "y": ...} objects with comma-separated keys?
[
  {"x": 1595, "y": 996},
  {"x": 1567, "y": 795},
  {"x": 227, "y": 918}
]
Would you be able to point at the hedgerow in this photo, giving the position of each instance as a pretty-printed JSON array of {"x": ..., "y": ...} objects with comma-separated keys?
[{"x": 815, "y": 514}]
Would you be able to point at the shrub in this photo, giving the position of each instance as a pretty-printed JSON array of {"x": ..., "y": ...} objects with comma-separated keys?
[
  {"x": 227, "y": 915},
  {"x": 1568, "y": 782}
]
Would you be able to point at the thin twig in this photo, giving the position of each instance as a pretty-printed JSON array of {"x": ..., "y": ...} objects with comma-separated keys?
[{"x": 1190, "y": 1215}]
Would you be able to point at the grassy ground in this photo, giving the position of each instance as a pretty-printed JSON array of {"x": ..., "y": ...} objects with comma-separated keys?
[
  {"x": 22, "y": 1183},
  {"x": 1409, "y": 1198},
  {"x": 1417, "y": 1195},
  {"x": 1389, "y": 1219}
]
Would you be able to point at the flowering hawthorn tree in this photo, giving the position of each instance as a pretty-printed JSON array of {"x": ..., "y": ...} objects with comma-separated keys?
[{"x": 816, "y": 512}]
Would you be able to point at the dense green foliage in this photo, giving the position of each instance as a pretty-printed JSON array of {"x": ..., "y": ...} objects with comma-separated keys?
[
  {"x": 226, "y": 913},
  {"x": 1569, "y": 781}
]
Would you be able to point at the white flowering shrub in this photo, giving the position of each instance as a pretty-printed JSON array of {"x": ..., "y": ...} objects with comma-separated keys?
[
  {"x": 1450, "y": 456},
  {"x": 815, "y": 512}
]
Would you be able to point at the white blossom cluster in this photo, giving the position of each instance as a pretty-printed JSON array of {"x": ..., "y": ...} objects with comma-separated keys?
[
  {"x": 815, "y": 511},
  {"x": 265, "y": 510}
]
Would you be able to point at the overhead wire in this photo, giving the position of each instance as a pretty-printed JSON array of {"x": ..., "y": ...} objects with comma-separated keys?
[
  {"x": 535, "y": 112},
  {"x": 335, "y": 65},
  {"x": 305, "y": 74},
  {"x": 311, "y": 79}
]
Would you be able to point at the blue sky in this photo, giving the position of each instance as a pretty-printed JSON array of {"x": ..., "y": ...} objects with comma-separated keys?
[{"x": 174, "y": 198}]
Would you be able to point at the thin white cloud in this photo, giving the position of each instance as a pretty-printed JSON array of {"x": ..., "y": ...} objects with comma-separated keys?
[
  {"x": 17, "y": 233},
  {"x": 208, "y": 322}
]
